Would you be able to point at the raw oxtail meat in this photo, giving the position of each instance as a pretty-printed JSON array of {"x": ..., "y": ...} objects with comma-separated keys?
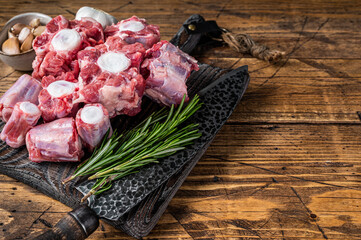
[
  {"x": 56, "y": 141},
  {"x": 166, "y": 69},
  {"x": 133, "y": 30},
  {"x": 109, "y": 74},
  {"x": 47, "y": 80},
  {"x": 24, "y": 116},
  {"x": 103, "y": 18},
  {"x": 78, "y": 63},
  {"x": 56, "y": 100},
  {"x": 92, "y": 123},
  {"x": 25, "y": 88},
  {"x": 56, "y": 48}
]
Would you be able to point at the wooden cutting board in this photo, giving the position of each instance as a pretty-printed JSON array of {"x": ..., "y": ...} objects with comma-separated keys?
[{"x": 136, "y": 202}]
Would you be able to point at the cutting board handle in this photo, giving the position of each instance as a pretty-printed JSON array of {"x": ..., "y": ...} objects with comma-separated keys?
[{"x": 77, "y": 224}]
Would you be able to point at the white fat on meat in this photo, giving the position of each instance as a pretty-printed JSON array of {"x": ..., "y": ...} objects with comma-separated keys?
[
  {"x": 91, "y": 115},
  {"x": 60, "y": 88},
  {"x": 113, "y": 62},
  {"x": 133, "y": 26},
  {"x": 66, "y": 40}
]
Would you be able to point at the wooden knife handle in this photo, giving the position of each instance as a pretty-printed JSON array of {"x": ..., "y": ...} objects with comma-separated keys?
[{"x": 77, "y": 224}]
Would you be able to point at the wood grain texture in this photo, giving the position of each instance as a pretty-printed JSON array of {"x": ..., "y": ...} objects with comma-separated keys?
[{"x": 287, "y": 164}]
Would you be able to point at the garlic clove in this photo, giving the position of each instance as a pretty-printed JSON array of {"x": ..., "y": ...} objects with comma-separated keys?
[
  {"x": 34, "y": 23},
  {"x": 24, "y": 33},
  {"x": 39, "y": 30},
  {"x": 16, "y": 29},
  {"x": 11, "y": 46},
  {"x": 27, "y": 44},
  {"x": 10, "y": 34}
]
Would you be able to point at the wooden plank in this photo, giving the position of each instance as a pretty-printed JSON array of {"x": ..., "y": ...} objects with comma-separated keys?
[
  {"x": 265, "y": 180},
  {"x": 300, "y": 100},
  {"x": 275, "y": 181},
  {"x": 287, "y": 164}
]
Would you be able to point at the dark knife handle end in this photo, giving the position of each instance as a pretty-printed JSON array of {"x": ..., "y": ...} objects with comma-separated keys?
[{"x": 77, "y": 224}]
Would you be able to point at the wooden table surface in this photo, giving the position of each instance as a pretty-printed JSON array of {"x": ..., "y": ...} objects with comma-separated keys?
[{"x": 287, "y": 163}]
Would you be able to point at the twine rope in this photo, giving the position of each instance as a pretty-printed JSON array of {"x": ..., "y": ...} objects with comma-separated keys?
[{"x": 243, "y": 43}]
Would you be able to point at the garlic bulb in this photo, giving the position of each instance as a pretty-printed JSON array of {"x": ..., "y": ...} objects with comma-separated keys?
[
  {"x": 105, "y": 19},
  {"x": 21, "y": 36}
]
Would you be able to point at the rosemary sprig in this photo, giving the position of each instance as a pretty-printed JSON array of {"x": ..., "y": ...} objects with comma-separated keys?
[{"x": 160, "y": 135}]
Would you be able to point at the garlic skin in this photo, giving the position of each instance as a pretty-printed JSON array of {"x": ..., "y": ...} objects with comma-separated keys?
[
  {"x": 34, "y": 23},
  {"x": 16, "y": 29},
  {"x": 10, "y": 34},
  {"x": 105, "y": 19},
  {"x": 39, "y": 30}
]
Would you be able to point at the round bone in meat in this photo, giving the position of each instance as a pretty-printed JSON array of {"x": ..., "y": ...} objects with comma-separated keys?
[
  {"x": 133, "y": 26},
  {"x": 92, "y": 115},
  {"x": 66, "y": 40},
  {"x": 113, "y": 62},
  {"x": 29, "y": 108},
  {"x": 103, "y": 18},
  {"x": 92, "y": 123},
  {"x": 24, "y": 116},
  {"x": 60, "y": 88}
]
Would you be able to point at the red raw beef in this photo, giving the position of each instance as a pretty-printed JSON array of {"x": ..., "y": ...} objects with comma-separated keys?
[
  {"x": 47, "y": 80},
  {"x": 56, "y": 141},
  {"x": 25, "y": 115},
  {"x": 90, "y": 29},
  {"x": 56, "y": 101},
  {"x": 24, "y": 89},
  {"x": 168, "y": 69},
  {"x": 55, "y": 58},
  {"x": 42, "y": 43},
  {"x": 133, "y": 30},
  {"x": 56, "y": 66},
  {"x": 119, "y": 87},
  {"x": 92, "y": 123}
]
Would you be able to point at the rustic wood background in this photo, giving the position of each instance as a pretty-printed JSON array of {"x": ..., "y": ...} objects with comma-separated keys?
[{"x": 287, "y": 163}]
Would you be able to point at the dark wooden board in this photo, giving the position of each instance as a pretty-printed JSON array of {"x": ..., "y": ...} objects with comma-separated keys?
[
  {"x": 220, "y": 92},
  {"x": 297, "y": 123}
]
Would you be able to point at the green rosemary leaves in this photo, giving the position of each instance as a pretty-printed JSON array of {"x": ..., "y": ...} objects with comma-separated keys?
[{"x": 158, "y": 136}]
